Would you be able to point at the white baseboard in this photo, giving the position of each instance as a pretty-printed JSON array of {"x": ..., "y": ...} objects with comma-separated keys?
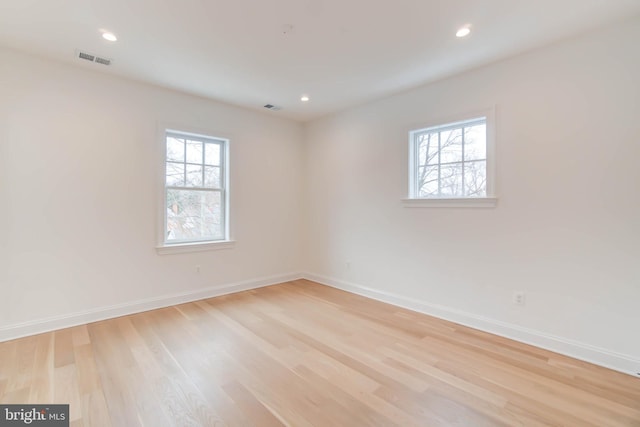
[
  {"x": 48, "y": 324},
  {"x": 578, "y": 350}
]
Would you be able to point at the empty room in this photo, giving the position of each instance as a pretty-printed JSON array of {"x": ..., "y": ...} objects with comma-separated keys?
[{"x": 319, "y": 213}]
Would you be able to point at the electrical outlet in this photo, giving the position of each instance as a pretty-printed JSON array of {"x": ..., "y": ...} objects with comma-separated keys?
[
  {"x": 198, "y": 268},
  {"x": 347, "y": 265},
  {"x": 519, "y": 298}
]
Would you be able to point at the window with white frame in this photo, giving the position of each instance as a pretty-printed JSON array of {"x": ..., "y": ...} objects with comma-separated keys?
[
  {"x": 195, "y": 193},
  {"x": 449, "y": 161}
]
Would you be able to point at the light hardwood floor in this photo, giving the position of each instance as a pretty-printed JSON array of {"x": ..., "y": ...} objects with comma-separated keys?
[{"x": 302, "y": 354}]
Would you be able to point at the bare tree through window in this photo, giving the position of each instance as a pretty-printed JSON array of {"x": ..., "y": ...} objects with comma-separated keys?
[{"x": 451, "y": 160}]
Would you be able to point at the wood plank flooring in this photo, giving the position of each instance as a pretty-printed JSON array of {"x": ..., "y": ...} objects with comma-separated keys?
[{"x": 302, "y": 354}]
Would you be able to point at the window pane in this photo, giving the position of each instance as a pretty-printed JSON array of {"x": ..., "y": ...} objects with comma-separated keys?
[
  {"x": 428, "y": 181},
  {"x": 475, "y": 179},
  {"x": 194, "y": 176},
  {"x": 450, "y": 159},
  {"x": 475, "y": 142},
  {"x": 451, "y": 146},
  {"x": 194, "y": 152},
  {"x": 451, "y": 180},
  {"x": 175, "y": 174},
  {"x": 212, "y": 176},
  {"x": 194, "y": 215},
  {"x": 427, "y": 149},
  {"x": 175, "y": 149},
  {"x": 211, "y": 154}
]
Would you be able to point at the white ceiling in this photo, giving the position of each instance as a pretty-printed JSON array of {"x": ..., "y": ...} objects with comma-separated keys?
[{"x": 340, "y": 52}]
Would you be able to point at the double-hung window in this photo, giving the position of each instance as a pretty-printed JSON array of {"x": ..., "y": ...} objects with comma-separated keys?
[
  {"x": 449, "y": 161},
  {"x": 195, "y": 191}
]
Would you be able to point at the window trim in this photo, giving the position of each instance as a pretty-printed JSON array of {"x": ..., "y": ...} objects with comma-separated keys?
[
  {"x": 490, "y": 200},
  {"x": 452, "y": 202},
  {"x": 180, "y": 248},
  {"x": 163, "y": 247}
]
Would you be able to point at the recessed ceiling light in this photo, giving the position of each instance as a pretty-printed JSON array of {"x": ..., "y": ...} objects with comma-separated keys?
[
  {"x": 109, "y": 36},
  {"x": 304, "y": 98},
  {"x": 463, "y": 32}
]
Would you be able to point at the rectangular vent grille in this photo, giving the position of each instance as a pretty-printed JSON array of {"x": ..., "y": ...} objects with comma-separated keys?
[
  {"x": 103, "y": 61},
  {"x": 86, "y": 56},
  {"x": 272, "y": 107},
  {"x": 93, "y": 58}
]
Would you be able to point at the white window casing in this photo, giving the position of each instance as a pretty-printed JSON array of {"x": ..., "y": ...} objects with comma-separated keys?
[
  {"x": 195, "y": 193},
  {"x": 452, "y": 162}
]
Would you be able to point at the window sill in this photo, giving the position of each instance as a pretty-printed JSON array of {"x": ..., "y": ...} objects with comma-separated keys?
[
  {"x": 180, "y": 248},
  {"x": 475, "y": 202}
]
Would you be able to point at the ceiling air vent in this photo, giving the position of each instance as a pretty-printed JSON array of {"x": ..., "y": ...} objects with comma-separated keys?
[
  {"x": 93, "y": 58},
  {"x": 272, "y": 107},
  {"x": 86, "y": 56},
  {"x": 103, "y": 61}
]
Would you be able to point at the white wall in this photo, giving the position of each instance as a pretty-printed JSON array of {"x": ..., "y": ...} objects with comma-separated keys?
[
  {"x": 78, "y": 193},
  {"x": 567, "y": 225}
]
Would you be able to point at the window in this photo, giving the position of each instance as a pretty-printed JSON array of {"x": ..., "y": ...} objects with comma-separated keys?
[
  {"x": 195, "y": 193},
  {"x": 449, "y": 161}
]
